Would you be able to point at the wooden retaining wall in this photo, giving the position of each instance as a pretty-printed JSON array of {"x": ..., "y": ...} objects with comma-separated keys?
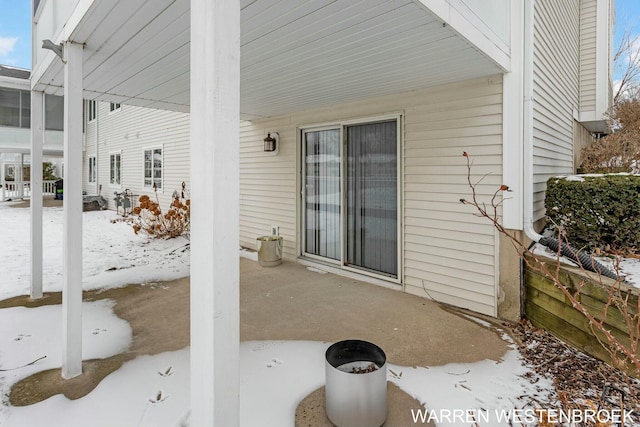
[{"x": 548, "y": 308}]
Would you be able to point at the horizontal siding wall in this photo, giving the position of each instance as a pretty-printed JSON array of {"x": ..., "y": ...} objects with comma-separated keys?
[
  {"x": 556, "y": 91},
  {"x": 90, "y": 149},
  {"x": 582, "y": 139},
  {"x": 449, "y": 254},
  {"x": 268, "y": 184},
  {"x": 130, "y": 131},
  {"x": 588, "y": 23}
]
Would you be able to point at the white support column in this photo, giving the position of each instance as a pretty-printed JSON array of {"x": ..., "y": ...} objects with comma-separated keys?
[
  {"x": 215, "y": 321},
  {"x": 37, "y": 133},
  {"x": 19, "y": 176},
  {"x": 1, "y": 178},
  {"x": 72, "y": 214},
  {"x": 2, "y": 172}
]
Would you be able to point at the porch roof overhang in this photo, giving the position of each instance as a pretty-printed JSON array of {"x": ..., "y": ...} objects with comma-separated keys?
[{"x": 294, "y": 55}]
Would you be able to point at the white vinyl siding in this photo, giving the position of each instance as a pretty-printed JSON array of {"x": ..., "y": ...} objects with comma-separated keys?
[
  {"x": 596, "y": 73},
  {"x": 134, "y": 130},
  {"x": 556, "y": 91},
  {"x": 449, "y": 254},
  {"x": 91, "y": 150},
  {"x": 588, "y": 21}
]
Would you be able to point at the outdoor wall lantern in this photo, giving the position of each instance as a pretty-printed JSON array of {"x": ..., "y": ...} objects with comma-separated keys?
[{"x": 271, "y": 142}]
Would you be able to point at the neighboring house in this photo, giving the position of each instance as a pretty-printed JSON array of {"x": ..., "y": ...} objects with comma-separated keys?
[
  {"x": 15, "y": 132},
  {"x": 373, "y": 103},
  {"x": 133, "y": 148}
]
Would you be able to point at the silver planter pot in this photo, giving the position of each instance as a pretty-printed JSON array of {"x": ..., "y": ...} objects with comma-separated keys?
[
  {"x": 356, "y": 384},
  {"x": 269, "y": 251}
]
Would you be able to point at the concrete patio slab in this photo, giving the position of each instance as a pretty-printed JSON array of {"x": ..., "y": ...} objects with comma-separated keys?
[{"x": 291, "y": 302}]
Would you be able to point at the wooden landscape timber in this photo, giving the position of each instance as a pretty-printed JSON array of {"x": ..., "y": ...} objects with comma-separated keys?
[{"x": 548, "y": 308}]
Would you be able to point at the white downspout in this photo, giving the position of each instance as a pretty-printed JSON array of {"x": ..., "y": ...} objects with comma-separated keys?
[{"x": 527, "y": 122}]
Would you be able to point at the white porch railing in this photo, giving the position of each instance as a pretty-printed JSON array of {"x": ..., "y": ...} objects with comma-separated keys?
[{"x": 12, "y": 190}]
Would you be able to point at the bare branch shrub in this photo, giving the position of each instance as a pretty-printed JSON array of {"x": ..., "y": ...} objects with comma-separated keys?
[
  {"x": 622, "y": 350},
  {"x": 619, "y": 151},
  {"x": 176, "y": 222}
]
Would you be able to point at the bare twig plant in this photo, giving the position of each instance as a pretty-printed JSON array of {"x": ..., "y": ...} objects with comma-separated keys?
[
  {"x": 626, "y": 60},
  {"x": 176, "y": 222},
  {"x": 620, "y": 150},
  {"x": 623, "y": 350}
]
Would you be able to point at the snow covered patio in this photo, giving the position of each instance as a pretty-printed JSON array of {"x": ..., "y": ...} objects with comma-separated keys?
[{"x": 289, "y": 316}]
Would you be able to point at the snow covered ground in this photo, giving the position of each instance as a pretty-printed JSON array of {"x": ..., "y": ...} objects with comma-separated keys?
[
  {"x": 154, "y": 390},
  {"x": 112, "y": 254}
]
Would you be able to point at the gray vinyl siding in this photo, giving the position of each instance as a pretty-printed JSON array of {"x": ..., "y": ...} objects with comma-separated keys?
[
  {"x": 448, "y": 253},
  {"x": 129, "y": 132},
  {"x": 588, "y": 25},
  {"x": 556, "y": 91}
]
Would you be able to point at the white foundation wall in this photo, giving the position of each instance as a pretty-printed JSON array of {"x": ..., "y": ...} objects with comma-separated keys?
[{"x": 448, "y": 254}]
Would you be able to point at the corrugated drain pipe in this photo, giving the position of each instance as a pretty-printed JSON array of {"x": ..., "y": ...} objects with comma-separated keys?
[{"x": 583, "y": 259}]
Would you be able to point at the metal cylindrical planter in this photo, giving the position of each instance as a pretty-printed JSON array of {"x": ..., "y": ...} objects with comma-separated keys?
[
  {"x": 356, "y": 390},
  {"x": 269, "y": 251}
]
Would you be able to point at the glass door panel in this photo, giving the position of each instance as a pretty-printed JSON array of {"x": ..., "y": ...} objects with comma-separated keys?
[
  {"x": 322, "y": 193},
  {"x": 371, "y": 197}
]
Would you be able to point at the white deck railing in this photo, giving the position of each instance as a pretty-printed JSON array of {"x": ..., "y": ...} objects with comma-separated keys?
[{"x": 12, "y": 190}]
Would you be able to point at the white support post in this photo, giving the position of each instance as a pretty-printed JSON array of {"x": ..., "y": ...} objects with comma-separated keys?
[
  {"x": 72, "y": 214},
  {"x": 37, "y": 133},
  {"x": 20, "y": 176},
  {"x": 2, "y": 172},
  {"x": 215, "y": 171}
]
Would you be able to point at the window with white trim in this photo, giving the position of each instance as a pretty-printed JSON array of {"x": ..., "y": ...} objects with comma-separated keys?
[
  {"x": 92, "y": 110},
  {"x": 115, "y": 167},
  {"x": 15, "y": 108},
  {"x": 92, "y": 169},
  {"x": 153, "y": 168},
  {"x": 114, "y": 107}
]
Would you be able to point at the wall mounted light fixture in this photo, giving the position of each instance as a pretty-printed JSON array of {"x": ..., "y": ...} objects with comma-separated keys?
[{"x": 271, "y": 142}]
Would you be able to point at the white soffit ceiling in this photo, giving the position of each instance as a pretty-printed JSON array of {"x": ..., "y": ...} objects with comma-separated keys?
[{"x": 295, "y": 55}]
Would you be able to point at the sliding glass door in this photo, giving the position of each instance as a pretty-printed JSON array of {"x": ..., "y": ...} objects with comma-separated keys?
[{"x": 350, "y": 194}]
